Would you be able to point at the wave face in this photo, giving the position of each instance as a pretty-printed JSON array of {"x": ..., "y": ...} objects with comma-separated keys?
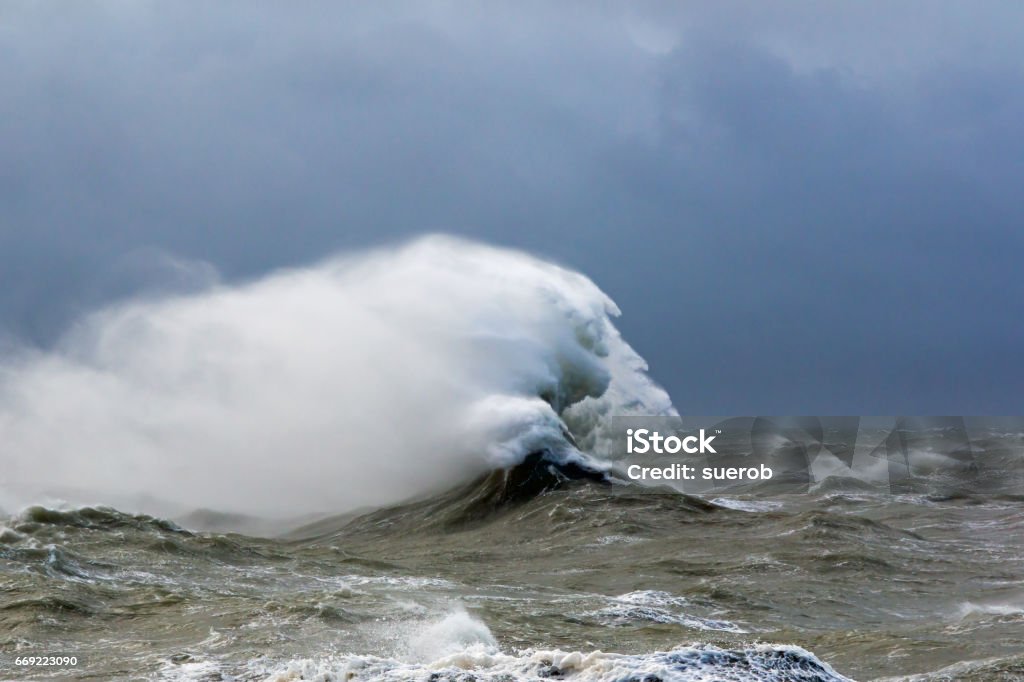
[{"x": 363, "y": 380}]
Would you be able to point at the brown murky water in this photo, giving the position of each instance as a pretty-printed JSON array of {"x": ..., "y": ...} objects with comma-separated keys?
[{"x": 925, "y": 584}]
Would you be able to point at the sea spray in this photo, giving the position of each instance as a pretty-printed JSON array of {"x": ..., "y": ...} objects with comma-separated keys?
[{"x": 361, "y": 380}]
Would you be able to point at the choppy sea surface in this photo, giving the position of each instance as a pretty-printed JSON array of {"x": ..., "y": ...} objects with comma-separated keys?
[
  {"x": 500, "y": 383},
  {"x": 538, "y": 572}
]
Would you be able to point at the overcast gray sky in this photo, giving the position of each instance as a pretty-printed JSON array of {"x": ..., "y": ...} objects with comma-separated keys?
[{"x": 800, "y": 207}]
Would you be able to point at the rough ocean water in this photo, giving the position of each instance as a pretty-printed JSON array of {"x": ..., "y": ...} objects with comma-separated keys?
[{"x": 398, "y": 466}]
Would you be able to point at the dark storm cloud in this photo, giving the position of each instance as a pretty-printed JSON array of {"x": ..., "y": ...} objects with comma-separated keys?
[{"x": 799, "y": 208}]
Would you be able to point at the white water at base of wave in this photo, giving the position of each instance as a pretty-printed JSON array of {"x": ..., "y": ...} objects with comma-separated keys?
[
  {"x": 362, "y": 380},
  {"x": 457, "y": 646},
  {"x": 467, "y": 650}
]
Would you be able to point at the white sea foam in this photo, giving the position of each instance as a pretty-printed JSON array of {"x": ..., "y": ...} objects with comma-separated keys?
[
  {"x": 701, "y": 663},
  {"x": 651, "y": 598},
  {"x": 619, "y": 540},
  {"x": 654, "y": 606},
  {"x": 453, "y": 635},
  {"x": 358, "y": 381},
  {"x": 1000, "y": 609},
  {"x": 458, "y": 647},
  {"x": 752, "y": 506},
  {"x": 395, "y": 582},
  {"x": 623, "y": 614}
]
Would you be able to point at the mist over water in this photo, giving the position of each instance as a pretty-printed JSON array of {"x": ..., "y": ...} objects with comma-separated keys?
[{"x": 361, "y": 380}]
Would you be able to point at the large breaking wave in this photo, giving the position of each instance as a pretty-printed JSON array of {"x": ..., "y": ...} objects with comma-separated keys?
[{"x": 362, "y": 380}]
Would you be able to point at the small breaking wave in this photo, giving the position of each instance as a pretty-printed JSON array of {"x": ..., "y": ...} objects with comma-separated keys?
[{"x": 36, "y": 517}]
